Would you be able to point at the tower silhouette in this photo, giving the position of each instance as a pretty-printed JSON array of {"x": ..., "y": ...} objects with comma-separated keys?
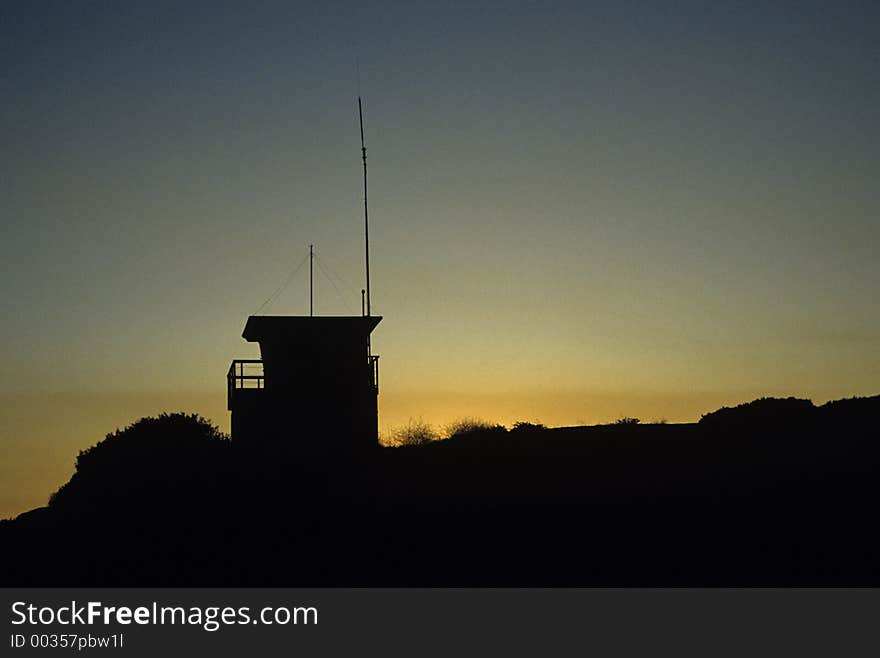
[
  {"x": 318, "y": 378},
  {"x": 316, "y": 384}
]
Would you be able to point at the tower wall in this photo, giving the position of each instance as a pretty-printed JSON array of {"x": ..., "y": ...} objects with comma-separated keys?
[{"x": 318, "y": 393}]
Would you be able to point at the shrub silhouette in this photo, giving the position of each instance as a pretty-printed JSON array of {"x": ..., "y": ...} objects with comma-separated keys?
[
  {"x": 525, "y": 426},
  {"x": 151, "y": 455},
  {"x": 766, "y": 412},
  {"x": 414, "y": 433},
  {"x": 468, "y": 426},
  {"x": 862, "y": 411}
]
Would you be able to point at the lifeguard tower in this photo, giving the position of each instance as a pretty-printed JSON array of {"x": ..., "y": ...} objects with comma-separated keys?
[
  {"x": 316, "y": 383},
  {"x": 316, "y": 387}
]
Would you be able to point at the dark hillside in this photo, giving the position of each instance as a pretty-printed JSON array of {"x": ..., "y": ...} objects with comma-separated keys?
[{"x": 774, "y": 492}]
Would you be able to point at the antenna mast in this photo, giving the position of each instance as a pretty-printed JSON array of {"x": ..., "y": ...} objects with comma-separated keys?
[
  {"x": 311, "y": 280},
  {"x": 366, "y": 215}
]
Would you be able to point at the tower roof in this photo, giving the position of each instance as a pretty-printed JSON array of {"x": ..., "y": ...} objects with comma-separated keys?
[{"x": 275, "y": 328}]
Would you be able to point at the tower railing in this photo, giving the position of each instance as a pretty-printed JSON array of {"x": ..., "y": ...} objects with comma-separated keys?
[
  {"x": 248, "y": 374},
  {"x": 243, "y": 373}
]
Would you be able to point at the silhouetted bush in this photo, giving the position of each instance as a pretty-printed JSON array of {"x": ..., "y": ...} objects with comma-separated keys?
[
  {"x": 767, "y": 412},
  {"x": 148, "y": 456},
  {"x": 861, "y": 411},
  {"x": 414, "y": 433},
  {"x": 468, "y": 426},
  {"x": 525, "y": 426},
  {"x": 627, "y": 420}
]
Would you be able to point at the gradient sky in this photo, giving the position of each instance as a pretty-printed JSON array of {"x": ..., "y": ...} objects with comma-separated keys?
[{"x": 578, "y": 211}]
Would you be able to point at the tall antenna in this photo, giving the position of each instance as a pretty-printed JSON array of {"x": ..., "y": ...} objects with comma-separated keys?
[
  {"x": 311, "y": 280},
  {"x": 366, "y": 215}
]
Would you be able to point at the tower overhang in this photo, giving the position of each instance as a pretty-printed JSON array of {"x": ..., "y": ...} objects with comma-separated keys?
[{"x": 305, "y": 328}]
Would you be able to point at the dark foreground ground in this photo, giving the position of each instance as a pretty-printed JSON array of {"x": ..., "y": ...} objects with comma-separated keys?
[{"x": 777, "y": 492}]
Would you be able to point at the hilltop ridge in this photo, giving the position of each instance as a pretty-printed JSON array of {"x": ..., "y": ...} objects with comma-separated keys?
[{"x": 772, "y": 492}]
